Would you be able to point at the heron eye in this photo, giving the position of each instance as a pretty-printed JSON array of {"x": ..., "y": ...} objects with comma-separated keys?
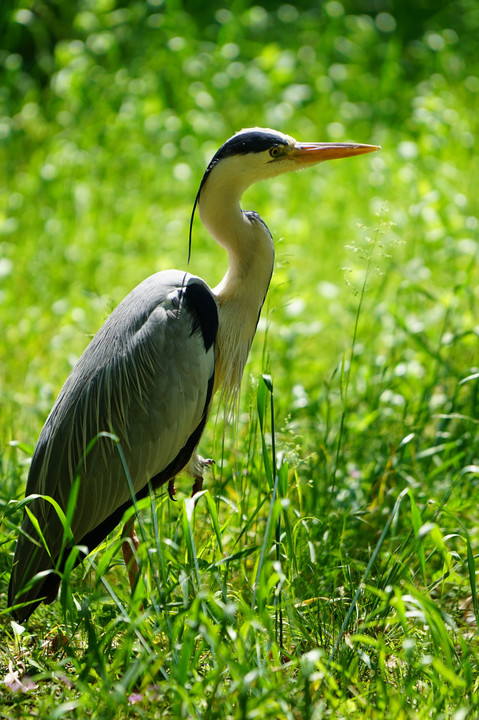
[{"x": 274, "y": 151}]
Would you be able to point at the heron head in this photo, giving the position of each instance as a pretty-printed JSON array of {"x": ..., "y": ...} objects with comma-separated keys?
[{"x": 255, "y": 154}]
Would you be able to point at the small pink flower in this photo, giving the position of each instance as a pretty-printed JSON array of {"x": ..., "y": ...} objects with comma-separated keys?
[
  {"x": 16, "y": 684},
  {"x": 135, "y": 698}
]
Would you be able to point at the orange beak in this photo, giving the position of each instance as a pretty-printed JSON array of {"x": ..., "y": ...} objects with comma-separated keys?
[{"x": 310, "y": 153}]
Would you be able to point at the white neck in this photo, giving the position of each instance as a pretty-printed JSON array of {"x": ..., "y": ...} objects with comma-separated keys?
[{"x": 241, "y": 293}]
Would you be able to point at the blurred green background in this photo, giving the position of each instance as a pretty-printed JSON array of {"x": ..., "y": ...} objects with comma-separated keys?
[
  {"x": 109, "y": 113},
  {"x": 110, "y": 110}
]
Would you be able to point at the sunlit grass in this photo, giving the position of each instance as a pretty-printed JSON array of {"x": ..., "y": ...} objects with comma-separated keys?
[{"x": 329, "y": 570}]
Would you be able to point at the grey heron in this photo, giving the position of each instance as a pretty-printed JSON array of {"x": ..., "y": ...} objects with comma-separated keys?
[{"x": 148, "y": 376}]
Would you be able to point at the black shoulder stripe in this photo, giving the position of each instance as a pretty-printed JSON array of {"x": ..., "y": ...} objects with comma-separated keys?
[{"x": 202, "y": 307}]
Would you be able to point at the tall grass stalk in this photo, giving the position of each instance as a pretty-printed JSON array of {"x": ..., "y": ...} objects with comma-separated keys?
[{"x": 347, "y": 365}]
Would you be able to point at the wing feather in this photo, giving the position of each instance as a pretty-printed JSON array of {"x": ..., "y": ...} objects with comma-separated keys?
[{"x": 146, "y": 378}]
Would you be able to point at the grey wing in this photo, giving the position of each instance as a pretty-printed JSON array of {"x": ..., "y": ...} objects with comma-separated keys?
[{"x": 146, "y": 378}]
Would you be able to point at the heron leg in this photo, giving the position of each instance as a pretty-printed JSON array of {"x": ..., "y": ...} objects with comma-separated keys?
[
  {"x": 198, "y": 476},
  {"x": 130, "y": 547},
  {"x": 197, "y": 485},
  {"x": 172, "y": 489},
  {"x": 196, "y": 469}
]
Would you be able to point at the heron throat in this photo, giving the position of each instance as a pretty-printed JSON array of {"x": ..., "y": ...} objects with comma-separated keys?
[{"x": 241, "y": 293}]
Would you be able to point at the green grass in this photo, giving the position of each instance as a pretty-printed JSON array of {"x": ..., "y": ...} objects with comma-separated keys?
[{"x": 329, "y": 570}]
